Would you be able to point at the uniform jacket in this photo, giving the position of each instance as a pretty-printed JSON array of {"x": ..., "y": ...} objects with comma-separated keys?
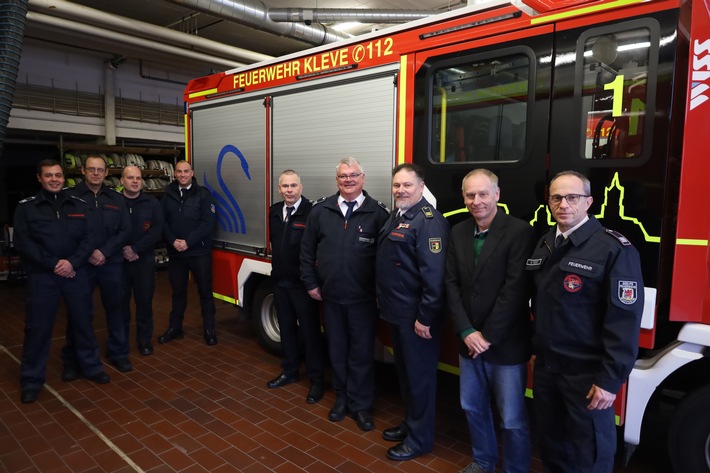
[
  {"x": 492, "y": 297},
  {"x": 587, "y": 304},
  {"x": 340, "y": 259},
  {"x": 48, "y": 229},
  {"x": 111, "y": 216},
  {"x": 146, "y": 218},
  {"x": 190, "y": 218},
  {"x": 411, "y": 260},
  {"x": 286, "y": 243}
]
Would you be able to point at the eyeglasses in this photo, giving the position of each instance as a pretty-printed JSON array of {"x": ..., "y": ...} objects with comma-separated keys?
[
  {"x": 572, "y": 199},
  {"x": 96, "y": 170},
  {"x": 353, "y": 175}
]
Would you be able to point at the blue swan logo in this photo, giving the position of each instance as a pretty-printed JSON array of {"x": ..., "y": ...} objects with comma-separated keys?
[{"x": 229, "y": 214}]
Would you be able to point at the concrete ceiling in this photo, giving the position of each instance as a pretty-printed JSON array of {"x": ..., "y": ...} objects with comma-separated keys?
[{"x": 169, "y": 14}]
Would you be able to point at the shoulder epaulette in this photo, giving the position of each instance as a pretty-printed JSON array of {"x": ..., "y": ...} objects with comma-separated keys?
[
  {"x": 383, "y": 206},
  {"x": 319, "y": 201},
  {"x": 426, "y": 210},
  {"x": 28, "y": 199},
  {"x": 77, "y": 198},
  {"x": 622, "y": 239}
]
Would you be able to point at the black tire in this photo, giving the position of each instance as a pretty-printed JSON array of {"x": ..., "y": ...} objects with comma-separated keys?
[
  {"x": 266, "y": 325},
  {"x": 689, "y": 433}
]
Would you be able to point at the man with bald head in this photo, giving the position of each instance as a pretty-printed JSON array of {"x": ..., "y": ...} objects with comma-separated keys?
[
  {"x": 139, "y": 257},
  {"x": 587, "y": 308}
]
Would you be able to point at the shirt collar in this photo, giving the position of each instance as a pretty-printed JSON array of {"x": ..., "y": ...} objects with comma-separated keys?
[
  {"x": 571, "y": 230},
  {"x": 295, "y": 206},
  {"x": 359, "y": 199}
]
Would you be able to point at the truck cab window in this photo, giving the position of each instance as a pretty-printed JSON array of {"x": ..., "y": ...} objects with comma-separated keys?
[
  {"x": 614, "y": 93},
  {"x": 479, "y": 110}
]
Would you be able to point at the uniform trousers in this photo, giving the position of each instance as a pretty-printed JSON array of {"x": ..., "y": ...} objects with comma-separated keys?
[
  {"x": 179, "y": 270},
  {"x": 350, "y": 332},
  {"x": 44, "y": 290},
  {"x": 299, "y": 320},
  {"x": 417, "y": 359},
  {"x": 109, "y": 279},
  {"x": 139, "y": 277},
  {"x": 573, "y": 438}
]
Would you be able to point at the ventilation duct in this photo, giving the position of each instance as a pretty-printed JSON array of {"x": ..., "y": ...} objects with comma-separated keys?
[
  {"x": 253, "y": 13},
  {"x": 12, "y": 31},
  {"x": 79, "y": 14},
  {"x": 329, "y": 15}
]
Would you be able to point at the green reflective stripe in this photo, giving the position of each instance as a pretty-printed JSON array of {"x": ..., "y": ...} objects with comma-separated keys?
[
  {"x": 449, "y": 368},
  {"x": 231, "y": 300},
  {"x": 202, "y": 93},
  {"x": 691, "y": 242},
  {"x": 582, "y": 11}
]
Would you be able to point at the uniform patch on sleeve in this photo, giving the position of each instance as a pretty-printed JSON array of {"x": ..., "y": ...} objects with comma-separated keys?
[
  {"x": 435, "y": 245},
  {"x": 628, "y": 292}
]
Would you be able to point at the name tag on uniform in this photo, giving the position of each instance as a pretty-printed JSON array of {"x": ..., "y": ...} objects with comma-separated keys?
[
  {"x": 580, "y": 266},
  {"x": 533, "y": 263}
]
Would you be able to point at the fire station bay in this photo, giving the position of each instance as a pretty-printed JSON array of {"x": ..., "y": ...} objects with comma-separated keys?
[{"x": 245, "y": 236}]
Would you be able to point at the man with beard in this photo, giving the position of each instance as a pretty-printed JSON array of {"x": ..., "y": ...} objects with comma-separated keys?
[{"x": 411, "y": 259}]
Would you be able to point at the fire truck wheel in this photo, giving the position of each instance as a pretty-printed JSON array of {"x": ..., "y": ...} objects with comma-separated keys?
[
  {"x": 266, "y": 325},
  {"x": 689, "y": 433}
]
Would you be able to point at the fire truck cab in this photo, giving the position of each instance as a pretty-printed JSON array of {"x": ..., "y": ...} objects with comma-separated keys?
[{"x": 615, "y": 89}]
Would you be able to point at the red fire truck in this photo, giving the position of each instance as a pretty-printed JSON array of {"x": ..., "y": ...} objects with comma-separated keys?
[{"x": 615, "y": 89}]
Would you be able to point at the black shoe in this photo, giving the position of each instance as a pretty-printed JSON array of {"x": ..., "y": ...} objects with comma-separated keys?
[
  {"x": 401, "y": 452},
  {"x": 281, "y": 380},
  {"x": 101, "y": 377},
  {"x": 145, "y": 349},
  {"x": 364, "y": 421},
  {"x": 210, "y": 337},
  {"x": 315, "y": 394},
  {"x": 337, "y": 412},
  {"x": 170, "y": 335},
  {"x": 70, "y": 373},
  {"x": 395, "y": 434},
  {"x": 28, "y": 395},
  {"x": 123, "y": 365}
]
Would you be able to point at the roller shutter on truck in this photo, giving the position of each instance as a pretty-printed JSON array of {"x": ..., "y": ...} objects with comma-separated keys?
[
  {"x": 314, "y": 128},
  {"x": 311, "y": 128}
]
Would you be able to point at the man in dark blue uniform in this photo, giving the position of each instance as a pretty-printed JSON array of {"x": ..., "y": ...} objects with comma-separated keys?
[
  {"x": 189, "y": 213},
  {"x": 411, "y": 259},
  {"x": 105, "y": 267},
  {"x": 297, "y": 312},
  {"x": 338, "y": 267},
  {"x": 139, "y": 256},
  {"x": 587, "y": 310},
  {"x": 488, "y": 296},
  {"x": 52, "y": 236}
]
